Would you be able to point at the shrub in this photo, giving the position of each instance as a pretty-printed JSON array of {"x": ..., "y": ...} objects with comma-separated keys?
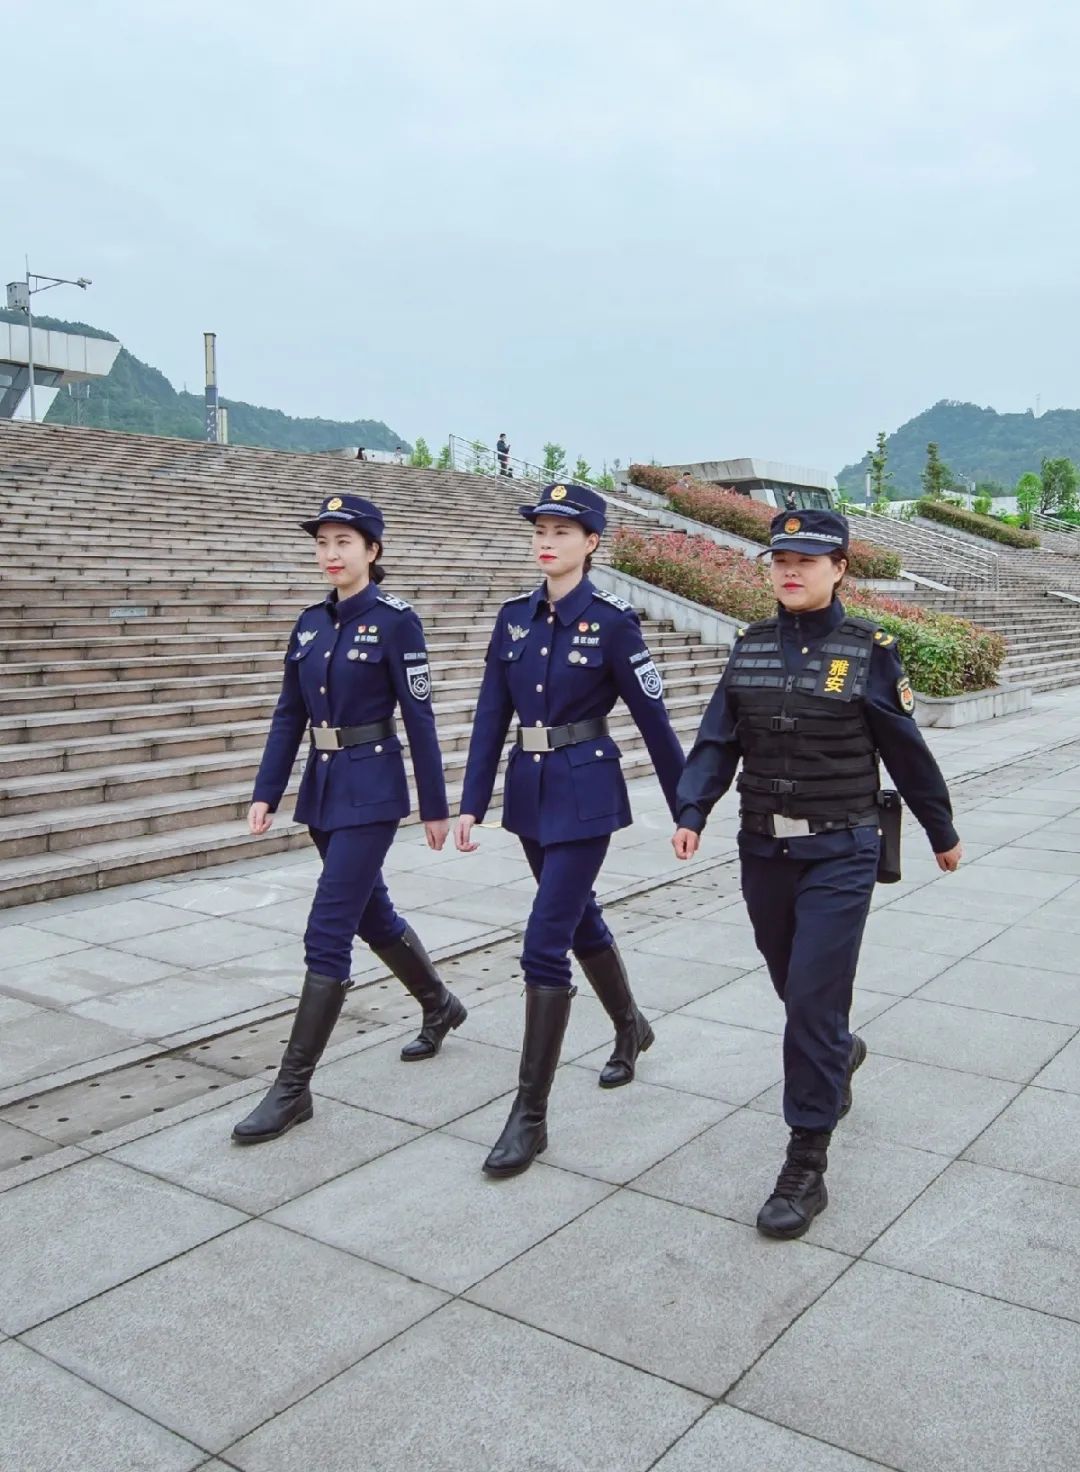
[
  {"x": 971, "y": 521},
  {"x": 943, "y": 655},
  {"x": 742, "y": 516}
]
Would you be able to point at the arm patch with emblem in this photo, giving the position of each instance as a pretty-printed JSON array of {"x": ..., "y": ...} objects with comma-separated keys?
[
  {"x": 906, "y": 695},
  {"x": 648, "y": 677},
  {"x": 419, "y": 677}
]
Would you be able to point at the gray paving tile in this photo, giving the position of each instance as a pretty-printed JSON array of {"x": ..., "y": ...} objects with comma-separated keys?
[
  {"x": 975, "y": 902},
  {"x": 24, "y": 944},
  {"x": 671, "y": 987},
  {"x": 117, "y": 919},
  {"x": 1062, "y": 1072},
  {"x": 710, "y": 1058},
  {"x": 1053, "y": 950},
  {"x": 728, "y": 1440},
  {"x": 233, "y": 896},
  {"x": 897, "y": 974},
  {"x": 198, "y": 1154},
  {"x": 461, "y": 1078},
  {"x": 202, "y": 943},
  {"x": 1041, "y": 860},
  {"x": 95, "y": 971},
  {"x": 105, "y": 1224},
  {"x": 941, "y": 936},
  {"x": 937, "y": 1109},
  {"x": 613, "y": 1134},
  {"x": 46, "y": 1042},
  {"x": 19, "y": 1175},
  {"x": 751, "y": 1002},
  {"x": 500, "y": 1023},
  {"x": 962, "y": 1037},
  {"x": 426, "y": 1210},
  {"x": 1019, "y": 991},
  {"x": 217, "y": 1340},
  {"x": 18, "y": 1145},
  {"x": 174, "y": 1004},
  {"x": 497, "y": 1396},
  {"x": 1038, "y": 1134},
  {"x": 724, "y": 942},
  {"x": 503, "y": 907},
  {"x": 1052, "y": 838},
  {"x": 13, "y": 1009},
  {"x": 1009, "y": 1236},
  {"x": 730, "y": 1171},
  {"x": 1061, "y": 915},
  {"x": 993, "y": 1385},
  {"x": 682, "y": 1294},
  {"x": 51, "y": 1421}
]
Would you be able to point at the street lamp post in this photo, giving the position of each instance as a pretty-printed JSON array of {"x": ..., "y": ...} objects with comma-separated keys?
[{"x": 19, "y": 295}]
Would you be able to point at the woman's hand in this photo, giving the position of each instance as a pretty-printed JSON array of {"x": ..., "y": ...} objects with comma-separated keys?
[
  {"x": 686, "y": 843},
  {"x": 463, "y": 834},
  {"x": 436, "y": 833},
  {"x": 949, "y": 862},
  {"x": 259, "y": 818}
]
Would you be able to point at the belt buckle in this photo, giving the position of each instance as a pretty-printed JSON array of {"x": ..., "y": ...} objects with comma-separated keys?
[
  {"x": 326, "y": 738},
  {"x": 534, "y": 738},
  {"x": 790, "y": 827}
]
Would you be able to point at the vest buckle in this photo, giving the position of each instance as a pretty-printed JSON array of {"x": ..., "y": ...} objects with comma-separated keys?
[
  {"x": 783, "y": 723},
  {"x": 781, "y": 787}
]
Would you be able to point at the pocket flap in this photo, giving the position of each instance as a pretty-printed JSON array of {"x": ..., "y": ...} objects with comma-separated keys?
[
  {"x": 386, "y": 747},
  {"x": 584, "y": 753}
]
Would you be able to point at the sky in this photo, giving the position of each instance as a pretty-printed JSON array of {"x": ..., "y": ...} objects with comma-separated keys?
[{"x": 693, "y": 231}]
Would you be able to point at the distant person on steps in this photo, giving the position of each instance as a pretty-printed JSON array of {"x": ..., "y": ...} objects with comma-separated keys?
[{"x": 350, "y": 661}]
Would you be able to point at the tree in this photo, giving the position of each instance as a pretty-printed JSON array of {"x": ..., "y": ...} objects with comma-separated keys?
[
  {"x": 879, "y": 476},
  {"x": 582, "y": 471},
  {"x": 444, "y": 462},
  {"x": 605, "y": 481},
  {"x": 1029, "y": 495},
  {"x": 554, "y": 462},
  {"x": 421, "y": 455},
  {"x": 1060, "y": 486},
  {"x": 936, "y": 477}
]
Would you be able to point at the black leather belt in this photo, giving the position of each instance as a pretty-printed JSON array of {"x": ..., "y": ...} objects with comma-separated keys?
[
  {"x": 776, "y": 825},
  {"x": 550, "y": 738},
  {"x": 336, "y": 738}
]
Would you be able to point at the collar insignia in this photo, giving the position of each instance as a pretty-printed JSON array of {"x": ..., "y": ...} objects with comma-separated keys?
[
  {"x": 516, "y": 632},
  {"x": 305, "y": 636}
]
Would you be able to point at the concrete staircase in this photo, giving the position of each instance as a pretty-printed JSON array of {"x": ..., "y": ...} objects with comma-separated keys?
[{"x": 147, "y": 587}]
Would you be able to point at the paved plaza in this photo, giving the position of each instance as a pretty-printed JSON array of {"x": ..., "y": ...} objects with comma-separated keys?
[{"x": 358, "y": 1296}]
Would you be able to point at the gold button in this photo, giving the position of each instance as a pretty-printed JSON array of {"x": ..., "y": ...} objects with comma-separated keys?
[
  {"x": 326, "y": 756},
  {"x": 536, "y": 758}
]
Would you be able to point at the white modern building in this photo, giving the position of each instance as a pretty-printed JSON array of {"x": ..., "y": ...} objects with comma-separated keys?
[
  {"x": 766, "y": 480},
  {"x": 59, "y": 358}
]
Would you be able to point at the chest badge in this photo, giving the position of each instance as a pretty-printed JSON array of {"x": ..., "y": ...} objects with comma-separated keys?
[
  {"x": 353, "y": 654},
  {"x": 837, "y": 677},
  {"x": 583, "y": 627},
  {"x": 516, "y": 632}
]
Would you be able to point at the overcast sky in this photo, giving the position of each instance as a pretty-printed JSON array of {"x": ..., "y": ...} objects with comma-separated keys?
[{"x": 707, "y": 229}]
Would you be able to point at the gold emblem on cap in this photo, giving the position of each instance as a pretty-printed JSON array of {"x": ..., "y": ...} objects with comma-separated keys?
[
  {"x": 792, "y": 525},
  {"x": 334, "y": 504},
  {"x": 559, "y": 493}
]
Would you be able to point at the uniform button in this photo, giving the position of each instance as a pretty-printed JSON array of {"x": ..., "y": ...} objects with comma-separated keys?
[
  {"x": 536, "y": 758},
  {"x": 378, "y": 749},
  {"x": 337, "y": 628},
  {"x": 551, "y": 618},
  {"x": 543, "y": 651},
  {"x": 326, "y": 756},
  {"x": 599, "y": 753},
  {"x": 539, "y": 689},
  {"x": 806, "y": 651},
  {"x": 364, "y": 654},
  {"x": 322, "y": 689},
  {"x": 324, "y": 723},
  {"x": 539, "y": 723},
  {"x": 326, "y": 655}
]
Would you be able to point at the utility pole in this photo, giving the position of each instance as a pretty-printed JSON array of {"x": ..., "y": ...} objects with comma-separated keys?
[{"x": 19, "y": 299}]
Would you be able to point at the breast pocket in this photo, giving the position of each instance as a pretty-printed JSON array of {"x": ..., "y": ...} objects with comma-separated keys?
[
  {"x": 376, "y": 773},
  {"x": 599, "y": 789},
  {"x": 585, "y": 660}
]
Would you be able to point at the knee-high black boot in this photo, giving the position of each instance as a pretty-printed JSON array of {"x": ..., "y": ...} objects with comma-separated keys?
[
  {"x": 414, "y": 968},
  {"x": 633, "y": 1035},
  {"x": 524, "y": 1136},
  {"x": 289, "y": 1099}
]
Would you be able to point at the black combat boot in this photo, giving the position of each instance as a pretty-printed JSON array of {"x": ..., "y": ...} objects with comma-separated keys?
[
  {"x": 855, "y": 1060},
  {"x": 799, "y": 1194},
  {"x": 289, "y": 1099},
  {"x": 633, "y": 1035},
  {"x": 413, "y": 967},
  {"x": 524, "y": 1136}
]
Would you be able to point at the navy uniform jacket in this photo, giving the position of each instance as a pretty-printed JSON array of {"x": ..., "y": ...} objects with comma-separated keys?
[
  {"x": 551, "y": 666},
  {"x": 711, "y": 765},
  {"x": 348, "y": 664}
]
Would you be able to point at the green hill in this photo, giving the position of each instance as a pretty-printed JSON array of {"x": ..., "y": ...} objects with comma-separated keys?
[
  {"x": 139, "y": 399},
  {"x": 976, "y": 444}
]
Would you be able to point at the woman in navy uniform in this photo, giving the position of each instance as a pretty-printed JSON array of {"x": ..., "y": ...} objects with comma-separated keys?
[
  {"x": 810, "y": 701},
  {"x": 559, "y": 658},
  {"x": 350, "y": 661}
]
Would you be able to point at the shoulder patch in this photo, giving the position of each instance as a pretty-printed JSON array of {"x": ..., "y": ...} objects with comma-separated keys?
[
  {"x": 392, "y": 601},
  {"x": 906, "y": 695},
  {"x": 883, "y": 638},
  {"x": 619, "y": 603}
]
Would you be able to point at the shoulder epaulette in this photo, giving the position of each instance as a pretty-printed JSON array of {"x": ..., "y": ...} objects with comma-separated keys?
[
  {"x": 759, "y": 626},
  {"x": 517, "y": 598},
  {"x": 619, "y": 603},
  {"x": 883, "y": 638},
  {"x": 392, "y": 601}
]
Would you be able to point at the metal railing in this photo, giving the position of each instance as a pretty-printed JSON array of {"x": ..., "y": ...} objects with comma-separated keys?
[
  {"x": 475, "y": 458},
  {"x": 1042, "y": 521}
]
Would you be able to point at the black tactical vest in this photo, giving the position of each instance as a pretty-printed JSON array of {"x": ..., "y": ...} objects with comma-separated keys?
[{"x": 806, "y": 746}]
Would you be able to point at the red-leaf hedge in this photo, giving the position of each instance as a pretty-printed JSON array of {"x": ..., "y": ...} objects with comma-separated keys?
[
  {"x": 971, "y": 521},
  {"x": 943, "y": 655},
  {"x": 745, "y": 517}
]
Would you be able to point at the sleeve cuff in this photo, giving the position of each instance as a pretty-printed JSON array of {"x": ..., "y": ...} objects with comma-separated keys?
[{"x": 692, "y": 818}]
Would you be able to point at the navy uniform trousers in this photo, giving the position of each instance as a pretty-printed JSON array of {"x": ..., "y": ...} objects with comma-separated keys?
[
  {"x": 350, "y": 898},
  {"x": 565, "y": 914},
  {"x": 808, "y": 918}
]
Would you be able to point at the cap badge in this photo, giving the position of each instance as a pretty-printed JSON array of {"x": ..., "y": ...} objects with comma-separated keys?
[
  {"x": 792, "y": 525},
  {"x": 334, "y": 504},
  {"x": 558, "y": 493}
]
